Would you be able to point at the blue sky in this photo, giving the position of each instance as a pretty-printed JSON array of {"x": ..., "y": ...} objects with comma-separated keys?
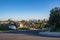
[{"x": 26, "y": 9}]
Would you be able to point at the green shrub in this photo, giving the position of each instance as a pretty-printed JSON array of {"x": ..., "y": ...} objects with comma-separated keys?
[
  {"x": 3, "y": 28},
  {"x": 24, "y": 28}
]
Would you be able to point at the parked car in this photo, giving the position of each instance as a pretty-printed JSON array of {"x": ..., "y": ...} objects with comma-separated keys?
[{"x": 12, "y": 26}]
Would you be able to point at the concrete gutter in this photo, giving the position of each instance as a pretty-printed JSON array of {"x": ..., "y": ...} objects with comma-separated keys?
[{"x": 55, "y": 34}]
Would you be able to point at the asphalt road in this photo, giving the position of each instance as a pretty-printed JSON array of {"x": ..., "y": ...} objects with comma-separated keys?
[{"x": 13, "y": 36}]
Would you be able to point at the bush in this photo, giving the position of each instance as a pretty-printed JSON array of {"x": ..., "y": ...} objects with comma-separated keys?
[
  {"x": 3, "y": 28},
  {"x": 24, "y": 28}
]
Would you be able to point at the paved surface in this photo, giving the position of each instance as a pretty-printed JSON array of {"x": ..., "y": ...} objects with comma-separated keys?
[
  {"x": 12, "y": 36},
  {"x": 55, "y": 34}
]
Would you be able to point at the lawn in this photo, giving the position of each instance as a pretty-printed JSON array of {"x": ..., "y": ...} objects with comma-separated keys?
[
  {"x": 57, "y": 29},
  {"x": 3, "y": 28}
]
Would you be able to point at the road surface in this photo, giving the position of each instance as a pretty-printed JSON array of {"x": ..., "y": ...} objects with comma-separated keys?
[{"x": 12, "y": 36}]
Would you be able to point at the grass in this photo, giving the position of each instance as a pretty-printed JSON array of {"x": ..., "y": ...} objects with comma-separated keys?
[
  {"x": 56, "y": 29},
  {"x": 3, "y": 28}
]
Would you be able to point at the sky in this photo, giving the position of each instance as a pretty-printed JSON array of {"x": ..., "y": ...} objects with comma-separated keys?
[{"x": 26, "y": 9}]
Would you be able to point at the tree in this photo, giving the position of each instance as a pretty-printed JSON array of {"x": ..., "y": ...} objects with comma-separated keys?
[
  {"x": 9, "y": 21},
  {"x": 54, "y": 18}
]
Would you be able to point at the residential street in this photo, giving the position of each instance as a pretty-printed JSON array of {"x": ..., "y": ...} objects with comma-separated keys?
[{"x": 13, "y": 36}]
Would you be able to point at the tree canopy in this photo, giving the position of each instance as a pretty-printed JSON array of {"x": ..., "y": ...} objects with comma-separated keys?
[{"x": 54, "y": 16}]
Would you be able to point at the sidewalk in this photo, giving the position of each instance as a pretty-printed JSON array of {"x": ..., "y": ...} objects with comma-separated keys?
[{"x": 53, "y": 34}]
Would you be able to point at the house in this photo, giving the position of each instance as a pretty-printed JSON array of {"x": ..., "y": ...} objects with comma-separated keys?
[
  {"x": 23, "y": 25},
  {"x": 4, "y": 22}
]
